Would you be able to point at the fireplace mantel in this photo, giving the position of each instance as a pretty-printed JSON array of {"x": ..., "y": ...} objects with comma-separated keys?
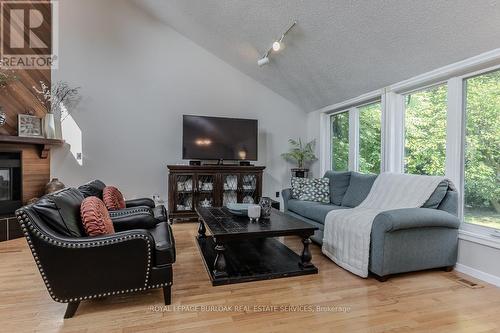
[{"x": 44, "y": 144}]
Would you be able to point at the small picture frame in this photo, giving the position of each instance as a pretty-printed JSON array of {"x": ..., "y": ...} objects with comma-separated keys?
[{"x": 29, "y": 126}]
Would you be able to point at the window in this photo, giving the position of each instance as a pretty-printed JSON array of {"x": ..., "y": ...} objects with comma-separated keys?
[
  {"x": 482, "y": 150},
  {"x": 339, "y": 134},
  {"x": 425, "y": 131},
  {"x": 369, "y": 138}
]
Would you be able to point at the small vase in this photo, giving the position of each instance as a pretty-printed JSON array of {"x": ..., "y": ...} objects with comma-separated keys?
[
  {"x": 49, "y": 125},
  {"x": 265, "y": 205},
  {"x": 254, "y": 212}
]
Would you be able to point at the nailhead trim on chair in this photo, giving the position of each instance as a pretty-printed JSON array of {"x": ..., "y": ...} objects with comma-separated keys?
[
  {"x": 127, "y": 212},
  {"x": 26, "y": 224}
]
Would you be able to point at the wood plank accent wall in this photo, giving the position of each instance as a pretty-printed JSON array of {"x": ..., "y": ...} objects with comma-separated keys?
[{"x": 19, "y": 97}]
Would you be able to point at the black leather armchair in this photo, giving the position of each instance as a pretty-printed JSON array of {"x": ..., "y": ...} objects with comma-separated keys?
[
  {"x": 76, "y": 268},
  {"x": 95, "y": 188}
]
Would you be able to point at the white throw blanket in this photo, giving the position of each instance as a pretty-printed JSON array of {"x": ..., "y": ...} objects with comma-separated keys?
[{"x": 347, "y": 232}]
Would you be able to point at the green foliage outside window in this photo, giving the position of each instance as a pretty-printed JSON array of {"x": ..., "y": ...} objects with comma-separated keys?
[
  {"x": 369, "y": 138},
  {"x": 339, "y": 131},
  {"x": 482, "y": 150},
  {"x": 425, "y": 131}
]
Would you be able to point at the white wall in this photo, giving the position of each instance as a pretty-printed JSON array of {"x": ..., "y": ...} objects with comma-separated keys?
[
  {"x": 479, "y": 260},
  {"x": 313, "y": 133},
  {"x": 138, "y": 78}
]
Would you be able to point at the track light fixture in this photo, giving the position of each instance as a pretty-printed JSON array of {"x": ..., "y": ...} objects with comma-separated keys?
[{"x": 276, "y": 46}]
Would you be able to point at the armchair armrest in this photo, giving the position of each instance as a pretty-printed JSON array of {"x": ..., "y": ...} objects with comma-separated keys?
[
  {"x": 90, "y": 267},
  {"x": 147, "y": 202},
  {"x": 286, "y": 194},
  {"x": 409, "y": 218},
  {"x": 133, "y": 218}
]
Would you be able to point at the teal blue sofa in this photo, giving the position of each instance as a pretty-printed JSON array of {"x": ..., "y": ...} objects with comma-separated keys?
[{"x": 402, "y": 240}]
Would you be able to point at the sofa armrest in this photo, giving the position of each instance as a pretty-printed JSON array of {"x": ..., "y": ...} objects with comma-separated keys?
[
  {"x": 409, "y": 218},
  {"x": 140, "y": 202},
  {"x": 286, "y": 194},
  {"x": 133, "y": 218}
]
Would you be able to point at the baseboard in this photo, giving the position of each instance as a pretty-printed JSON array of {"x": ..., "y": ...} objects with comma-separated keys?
[{"x": 486, "y": 277}]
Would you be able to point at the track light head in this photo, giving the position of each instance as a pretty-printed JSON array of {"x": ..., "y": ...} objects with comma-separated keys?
[
  {"x": 263, "y": 61},
  {"x": 276, "y": 46}
]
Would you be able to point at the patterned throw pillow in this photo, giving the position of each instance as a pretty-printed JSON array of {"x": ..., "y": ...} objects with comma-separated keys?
[
  {"x": 113, "y": 198},
  {"x": 315, "y": 189},
  {"x": 95, "y": 217},
  {"x": 297, "y": 187}
]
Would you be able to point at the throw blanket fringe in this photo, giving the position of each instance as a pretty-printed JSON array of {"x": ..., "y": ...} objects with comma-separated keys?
[{"x": 346, "y": 238}]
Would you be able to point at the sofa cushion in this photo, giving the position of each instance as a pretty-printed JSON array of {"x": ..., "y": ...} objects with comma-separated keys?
[
  {"x": 339, "y": 182},
  {"x": 95, "y": 217},
  {"x": 437, "y": 196},
  {"x": 315, "y": 189},
  {"x": 164, "y": 244},
  {"x": 93, "y": 188},
  {"x": 299, "y": 207},
  {"x": 113, "y": 198},
  {"x": 318, "y": 212},
  {"x": 450, "y": 203},
  {"x": 359, "y": 187},
  {"x": 60, "y": 211}
]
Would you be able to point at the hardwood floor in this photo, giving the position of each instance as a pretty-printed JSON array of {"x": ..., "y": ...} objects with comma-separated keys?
[{"x": 430, "y": 301}]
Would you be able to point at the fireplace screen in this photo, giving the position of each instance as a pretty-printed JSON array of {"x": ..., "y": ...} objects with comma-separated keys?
[
  {"x": 5, "y": 184},
  {"x": 10, "y": 182}
]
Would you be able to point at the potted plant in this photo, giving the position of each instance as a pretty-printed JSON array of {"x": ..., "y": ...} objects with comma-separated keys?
[
  {"x": 300, "y": 154},
  {"x": 59, "y": 98}
]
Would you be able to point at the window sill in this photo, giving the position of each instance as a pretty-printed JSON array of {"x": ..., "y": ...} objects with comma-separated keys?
[{"x": 483, "y": 238}]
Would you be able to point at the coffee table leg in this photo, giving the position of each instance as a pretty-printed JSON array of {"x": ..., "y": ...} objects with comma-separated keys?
[
  {"x": 305, "y": 258},
  {"x": 201, "y": 229},
  {"x": 220, "y": 262}
]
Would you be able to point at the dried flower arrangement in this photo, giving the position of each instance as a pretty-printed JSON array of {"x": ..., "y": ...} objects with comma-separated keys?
[{"x": 60, "y": 97}]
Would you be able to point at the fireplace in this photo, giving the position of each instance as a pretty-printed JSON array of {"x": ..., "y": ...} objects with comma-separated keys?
[{"x": 10, "y": 182}]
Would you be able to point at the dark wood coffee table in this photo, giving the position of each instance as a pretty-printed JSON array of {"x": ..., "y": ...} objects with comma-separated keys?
[{"x": 241, "y": 251}]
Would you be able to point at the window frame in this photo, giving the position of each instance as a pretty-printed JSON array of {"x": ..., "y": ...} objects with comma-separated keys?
[
  {"x": 330, "y": 115},
  {"x": 357, "y": 129},
  {"x": 417, "y": 90},
  {"x": 470, "y": 228},
  {"x": 353, "y": 112}
]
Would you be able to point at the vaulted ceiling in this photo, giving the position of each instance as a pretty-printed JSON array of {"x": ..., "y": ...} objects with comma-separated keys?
[{"x": 340, "y": 48}]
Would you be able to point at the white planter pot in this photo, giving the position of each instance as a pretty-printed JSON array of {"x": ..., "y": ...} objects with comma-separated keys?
[{"x": 49, "y": 126}]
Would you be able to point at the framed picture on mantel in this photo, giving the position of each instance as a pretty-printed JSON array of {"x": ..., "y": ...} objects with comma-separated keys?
[{"x": 29, "y": 126}]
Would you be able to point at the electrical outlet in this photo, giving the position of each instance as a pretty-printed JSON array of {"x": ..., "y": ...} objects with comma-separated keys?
[
  {"x": 78, "y": 156},
  {"x": 277, "y": 194}
]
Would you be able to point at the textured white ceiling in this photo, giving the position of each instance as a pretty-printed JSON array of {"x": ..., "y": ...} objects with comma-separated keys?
[{"x": 340, "y": 48}]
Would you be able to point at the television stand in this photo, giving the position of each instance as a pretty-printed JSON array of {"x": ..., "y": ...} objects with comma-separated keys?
[{"x": 193, "y": 186}]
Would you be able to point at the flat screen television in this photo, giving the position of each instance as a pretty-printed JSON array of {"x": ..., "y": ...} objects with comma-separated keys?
[{"x": 216, "y": 138}]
